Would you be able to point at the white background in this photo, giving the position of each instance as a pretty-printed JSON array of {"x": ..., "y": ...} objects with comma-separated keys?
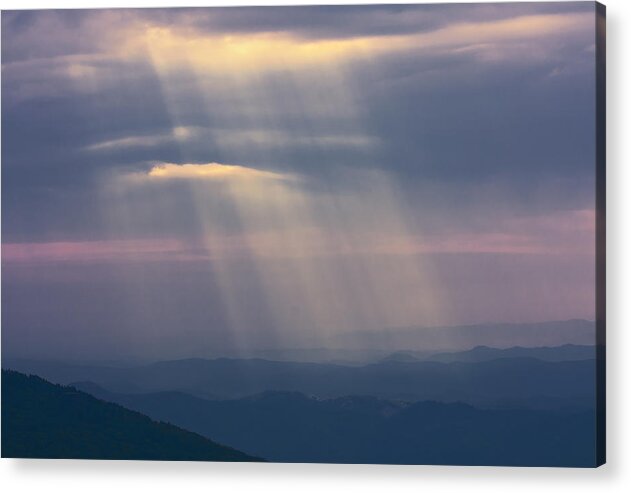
[{"x": 161, "y": 477}]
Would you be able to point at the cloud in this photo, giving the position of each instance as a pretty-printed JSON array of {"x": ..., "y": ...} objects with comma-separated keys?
[
  {"x": 127, "y": 142},
  {"x": 235, "y": 138},
  {"x": 211, "y": 171},
  {"x": 95, "y": 251},
  {"x": 173, "y": 49},
  {"x": 462, "y": 100}
]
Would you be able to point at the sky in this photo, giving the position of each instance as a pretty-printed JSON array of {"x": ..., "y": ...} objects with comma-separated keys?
[{"x": 186, "y": 182}]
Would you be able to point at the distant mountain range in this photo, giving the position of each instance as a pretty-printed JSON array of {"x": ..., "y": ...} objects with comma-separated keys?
[
  {"x": 362, "y": 347},
  {"x": 43, "y": 420},
  {"x": 567, "y": 352},
  {"x": 512, "y": 404},
  {"x": 459, "y": 338},
  {"x": 291, "y": 427},
  {"x": 349, "y": 357},
  {"x": 487, "y": 406},
  {"x": 505, "y": 382}
]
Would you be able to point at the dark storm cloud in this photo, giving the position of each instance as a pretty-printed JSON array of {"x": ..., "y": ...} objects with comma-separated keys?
[
  {"x": 346, "y": 21},
  {"x": 67, "y": 28},
  {"x": 451, "y": 118},
  {"x": 510, "y": 121},
  {"x": 49, "y": 181}
]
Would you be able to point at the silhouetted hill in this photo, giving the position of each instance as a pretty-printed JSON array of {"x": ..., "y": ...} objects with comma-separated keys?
[
  {"x": 291, "y": 427},
  {"x": 509, "y": 382},
  {"x": 43, "y": 420}
]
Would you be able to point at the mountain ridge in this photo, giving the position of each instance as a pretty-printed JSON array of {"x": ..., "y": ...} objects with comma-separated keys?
[
  {"x": 293, "y": 427},
  {"x": 44, "y": 420},
  {"x": 529, "y": 380}
]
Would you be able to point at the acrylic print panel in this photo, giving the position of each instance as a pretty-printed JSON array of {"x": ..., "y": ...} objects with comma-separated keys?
[{"x": 343, "y": 234}]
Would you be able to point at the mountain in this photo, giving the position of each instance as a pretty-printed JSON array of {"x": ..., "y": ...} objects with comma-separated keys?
[
  {"x": 402, "y": 357},
  {"x": 460, "y": 338},
  {"x": 292, "y": 427},
  {"x": 507, "y": 382},
  {"x": 567, "y": 352},
  {"x": 43, "y": 420},
  {"x": 347, "y": 357}
]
